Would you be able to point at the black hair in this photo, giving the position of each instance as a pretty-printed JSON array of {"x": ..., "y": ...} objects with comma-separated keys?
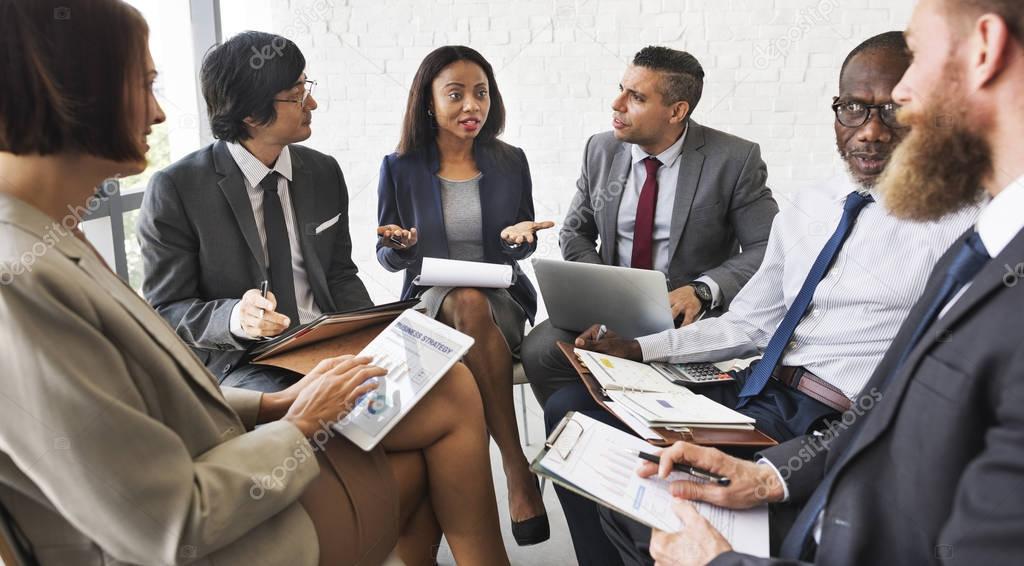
[
  {"x": 418, "y": 127},
  {"x": 241, "y": 77},
  {"x": 890, "y": 41},
  {"x": 683, "y": 75}
]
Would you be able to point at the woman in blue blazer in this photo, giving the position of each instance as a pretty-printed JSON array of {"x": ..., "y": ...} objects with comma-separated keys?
[{"x": 454, "y": 191}]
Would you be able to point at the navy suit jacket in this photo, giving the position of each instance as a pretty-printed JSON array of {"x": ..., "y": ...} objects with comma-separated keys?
[{"x": 409, "y": 195}]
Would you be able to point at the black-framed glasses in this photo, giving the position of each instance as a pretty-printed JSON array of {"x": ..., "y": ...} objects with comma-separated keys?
[
  {"x": 308, "y": 85},
  {"x": 852, "y": 114}
]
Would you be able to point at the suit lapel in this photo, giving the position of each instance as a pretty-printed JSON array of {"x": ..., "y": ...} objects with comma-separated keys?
[
  {"x": 432, "y": 229},
  {"x": 303, "y": 197},
  {"x": 987, "y": 282},
  {"x": 233, "y": 186},
  {"x": 690, "y": 167},
  {"x": 611, "y": 198},
  {"x": 153, "y": 324}
]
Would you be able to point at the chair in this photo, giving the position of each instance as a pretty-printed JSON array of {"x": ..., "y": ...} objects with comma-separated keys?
[
  {"x": 519, "y": 379},
  {"x": 12, "y": 551}
]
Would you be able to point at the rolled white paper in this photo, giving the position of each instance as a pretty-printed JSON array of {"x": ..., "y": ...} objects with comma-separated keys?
[{"x": 438, "y": 272}]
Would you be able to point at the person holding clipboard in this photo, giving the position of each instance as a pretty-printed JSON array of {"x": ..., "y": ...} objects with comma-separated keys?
[{"x": 454, "y": 191}]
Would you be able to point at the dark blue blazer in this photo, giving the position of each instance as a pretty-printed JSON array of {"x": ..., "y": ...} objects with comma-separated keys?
[{"x": 409, "y": 195}]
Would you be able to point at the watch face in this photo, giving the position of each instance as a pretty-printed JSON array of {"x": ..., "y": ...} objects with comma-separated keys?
[{"x": 703, "y": 292}]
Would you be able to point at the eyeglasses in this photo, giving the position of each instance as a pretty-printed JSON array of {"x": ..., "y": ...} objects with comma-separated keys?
[
  {"x": 309, "y": 85},
  {"x": 856, "y": 114}
]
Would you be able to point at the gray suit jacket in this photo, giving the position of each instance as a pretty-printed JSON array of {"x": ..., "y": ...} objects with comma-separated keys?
[
  {"x": 722, "y": 205},
  {"x": 116, "y": 445},
  {"x": 932, "y": 469},
  {"x": 201, "y": 251}
]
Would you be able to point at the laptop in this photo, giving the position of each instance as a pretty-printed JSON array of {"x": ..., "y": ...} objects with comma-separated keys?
[{"x": 631, "y": 302}]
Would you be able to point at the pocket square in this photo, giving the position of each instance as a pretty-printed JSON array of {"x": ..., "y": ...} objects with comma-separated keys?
[{"x": 327, "y": 224}]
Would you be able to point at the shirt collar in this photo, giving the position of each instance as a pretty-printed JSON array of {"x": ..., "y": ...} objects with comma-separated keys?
[
  {"x": 667, "y": 157},
  {"x": 1000, "y": 220},
  {"x": 840, "y": 186},
  {"x": 254, "y": 170}
]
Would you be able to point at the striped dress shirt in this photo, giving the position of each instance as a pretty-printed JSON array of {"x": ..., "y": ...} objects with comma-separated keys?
[
  {"x": 253, "y": 171},
  {"x": 858, "y": 306}
]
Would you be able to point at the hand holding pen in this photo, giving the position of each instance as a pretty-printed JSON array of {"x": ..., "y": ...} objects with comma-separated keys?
[
  {"x": 598, "y": 338},
  {"x": 732, "y": 482},
  {"x": 257, "y": 314}
]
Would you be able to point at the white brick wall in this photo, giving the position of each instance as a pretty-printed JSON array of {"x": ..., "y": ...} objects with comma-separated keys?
[{"x": 772, "y": 67}]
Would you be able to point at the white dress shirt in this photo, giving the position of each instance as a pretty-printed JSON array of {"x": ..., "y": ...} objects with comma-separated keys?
[
  {"x": 253, "y": 172},
  {"x": 1000, "y": 221},
  {"x": 668, "y": 179},
  {"x": 858, "y": 306}
]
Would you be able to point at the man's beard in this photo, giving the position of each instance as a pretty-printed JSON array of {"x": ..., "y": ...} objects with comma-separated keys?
[{"x": 940, "y": 166}]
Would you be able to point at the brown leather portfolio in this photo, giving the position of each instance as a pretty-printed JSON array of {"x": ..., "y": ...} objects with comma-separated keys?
[
  {"x": 696, "y": 435},
  {"x": 305, "y": 358}
]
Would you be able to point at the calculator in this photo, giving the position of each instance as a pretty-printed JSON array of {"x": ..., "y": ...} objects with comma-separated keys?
[{"x": 691, "y": 374}]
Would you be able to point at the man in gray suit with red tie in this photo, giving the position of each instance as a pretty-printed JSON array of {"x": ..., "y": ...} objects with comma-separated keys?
[
  {"x": 661, "y": 191},
  {"x": 248, "y": 209},
  {"x": 927, "y": 467}
]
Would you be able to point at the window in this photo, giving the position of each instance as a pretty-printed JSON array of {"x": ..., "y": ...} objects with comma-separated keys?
[{"x": 180, "y": 32}]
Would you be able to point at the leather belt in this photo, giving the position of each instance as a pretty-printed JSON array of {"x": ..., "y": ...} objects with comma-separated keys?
[{"x": 813, "y": 386}]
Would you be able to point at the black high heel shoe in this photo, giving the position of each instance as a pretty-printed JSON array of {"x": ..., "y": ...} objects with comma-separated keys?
[{"x": 534, "y": 530}]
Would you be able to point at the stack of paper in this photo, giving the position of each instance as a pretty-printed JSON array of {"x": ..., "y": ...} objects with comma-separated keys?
[
  {"x": 681, "y": 409},
  {"x": 643, "y": 397},
  {"x": 620, "y": 374}
]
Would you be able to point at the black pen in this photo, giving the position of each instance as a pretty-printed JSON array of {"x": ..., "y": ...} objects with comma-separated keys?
[
  {"x": 695, "y": 472},
  {"x": 264, "y": 287}
]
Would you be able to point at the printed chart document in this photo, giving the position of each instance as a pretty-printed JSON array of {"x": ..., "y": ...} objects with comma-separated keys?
[
  {"x": 620, "y": 374},
  {"x": 416, "y": 351},
  {"x": 437, "y": 272},
  {"x": 600, "y": 462}
]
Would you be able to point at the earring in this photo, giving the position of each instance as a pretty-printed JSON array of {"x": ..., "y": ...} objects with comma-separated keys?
[{"x": 430, "y": 113}]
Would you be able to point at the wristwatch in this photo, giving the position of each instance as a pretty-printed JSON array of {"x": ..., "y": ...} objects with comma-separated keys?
[{"x": 703, "y": 291}]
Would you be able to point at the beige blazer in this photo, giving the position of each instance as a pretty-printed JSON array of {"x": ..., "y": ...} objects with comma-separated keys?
[{"x": 116, "y": 445}]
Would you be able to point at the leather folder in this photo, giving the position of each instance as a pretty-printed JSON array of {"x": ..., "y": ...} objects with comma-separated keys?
[
  {"x": 704, "y": 436},
  {"x": 335, "y": 334}
]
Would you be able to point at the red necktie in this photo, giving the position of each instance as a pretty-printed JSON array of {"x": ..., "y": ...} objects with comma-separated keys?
[{"x": 643, "y": 230}]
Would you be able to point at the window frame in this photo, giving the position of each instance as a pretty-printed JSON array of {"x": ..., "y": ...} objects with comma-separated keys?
[{"x": 206, "y": 32}]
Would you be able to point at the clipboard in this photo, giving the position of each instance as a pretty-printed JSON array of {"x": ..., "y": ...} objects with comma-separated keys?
[
  {"x": 606, "y": 461},
  {"x": 704, "y": 436}
]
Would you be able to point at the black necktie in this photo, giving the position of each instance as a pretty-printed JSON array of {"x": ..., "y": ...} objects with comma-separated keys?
[
  {"x": 971, "y": 258},
  {"x": 282, "y": 283}
]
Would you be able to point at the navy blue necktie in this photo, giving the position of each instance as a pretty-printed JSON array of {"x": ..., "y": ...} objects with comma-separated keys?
[
  {"x": 968, "y": 262},
  {"x": 762, "y": 372},
  {"x": 971, "y": 258}
]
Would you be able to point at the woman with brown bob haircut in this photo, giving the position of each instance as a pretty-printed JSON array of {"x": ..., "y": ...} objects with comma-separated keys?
[{"x": 116, "y": 444}]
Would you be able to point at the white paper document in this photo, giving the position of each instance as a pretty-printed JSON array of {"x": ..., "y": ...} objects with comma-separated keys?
[
  {"x": 676, "y": 408},
  {"x": 620, "y": 374},
  {"x": 437, "y": 272},
  {"x": 417, "y": 351},
  {"x": 600, "y": 462}
]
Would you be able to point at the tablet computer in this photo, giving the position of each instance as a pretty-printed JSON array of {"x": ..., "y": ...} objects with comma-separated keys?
[{"x": 417, "y": 351}]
